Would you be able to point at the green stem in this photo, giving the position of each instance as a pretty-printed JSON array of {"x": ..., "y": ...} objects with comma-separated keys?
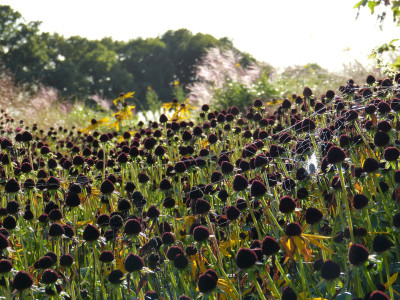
[{"x": 388, "y": 275}]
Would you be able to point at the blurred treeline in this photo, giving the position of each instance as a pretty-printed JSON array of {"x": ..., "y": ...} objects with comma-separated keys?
[{"x": 80, "y": 68}]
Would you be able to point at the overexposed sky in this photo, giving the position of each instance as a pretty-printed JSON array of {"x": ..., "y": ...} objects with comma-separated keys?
[{"x": 280, "y": 32}]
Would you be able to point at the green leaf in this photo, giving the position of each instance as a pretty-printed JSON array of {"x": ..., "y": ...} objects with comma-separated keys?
[
  {"x": 371, "y": 5},
  {"x": 361, "y": 3}
]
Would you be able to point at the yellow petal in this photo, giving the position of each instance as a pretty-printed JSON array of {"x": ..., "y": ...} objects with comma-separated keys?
[
  {"x": 223, "y": 285},
  {"x": 392, "y": 280}
]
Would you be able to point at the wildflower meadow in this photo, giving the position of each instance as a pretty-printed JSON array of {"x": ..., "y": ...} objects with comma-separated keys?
[{"x": 295, "y": 200}]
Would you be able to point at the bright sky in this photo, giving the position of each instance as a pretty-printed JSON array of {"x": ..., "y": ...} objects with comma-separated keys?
[{"x": 280, "y": 32}]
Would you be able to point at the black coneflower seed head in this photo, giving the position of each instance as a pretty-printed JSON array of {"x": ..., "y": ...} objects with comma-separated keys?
[
  {"x": 180, "y": 167},
  {"x": 330, "y": 270},
  {"x": 240, "y": 183},
  {"x": 133, "y": 263},
  {"x": 391, "y": 154},
  {"x": 173, "y": 251},
  {"x": 115, "y": 277},
  {"x": 396, "y": 220},
  {"x": 358, "y": 254},
  {"x": 360, "y": 201},
  {"x": 202, "y": 206},
  {"x": 49, "y": 276},
  {"x": 232, "y": 213},
  {"x": 66, "y": 260},
  {"x": 22, "y": 281},
  {"x": 55, "y": 215},
  {"x": 153, "y": 212},
  {"x": 5, "y": 266},
  {"x": 168, "y": 238},
  {"x": 9, "y": 222},
  {"x": 302, "y": 193},
  {"x": 257, "y": 188},
  {"x": 206, "y": 283},
  {"x": 91, "y": 233},
  {"x": 3, "y": 242},
  {"x": 287, "y": 204},
  {"x": 245, "y": 258},
  {"x": 116, "y": 222},
  {"x": 107, "y": 187},
  {"x": 52, "y": 183},
  {"x": 381, "y": 243},
  {"x": 56, "y": 230},
  {"x": 335, "y": 155},
  {"x": 132, "y": 227},
  {"x": 293, "y": 229},
  {"x": 184, "y": 297},
  {"x": 103, "y": 220},
  {"x": 378, "y": 295},
  {"x": 12, "y": 207},
  {"x": 12, "y": 186},
  {"x": 313, "y": 215},
  {"x": 381, "y": 138},
  {"x": 181, "y": 261},
  {"x": 370, "y": 165},
  {"x": 269, "y": 246},
  {"x": 106, "y": 257},
  {"x": 201, "y": 233}
]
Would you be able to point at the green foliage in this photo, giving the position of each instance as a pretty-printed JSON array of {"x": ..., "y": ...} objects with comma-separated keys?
[
  {"x": 79, "y": 67},
  {"x": 153, "y": 101},
  {"x": 242, "y": 95}
]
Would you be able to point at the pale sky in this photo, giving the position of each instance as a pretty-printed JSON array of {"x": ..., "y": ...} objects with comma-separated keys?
[{"x": 280, "y": 32}]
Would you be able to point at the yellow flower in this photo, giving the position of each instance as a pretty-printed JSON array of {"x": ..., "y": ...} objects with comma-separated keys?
[
  {"x": 302, "y": 243},
  {"x": 122, "y": 97},
  {"x": 176, "y": 82},
  {"x": 170, "y": 105},
  {"x": 183, "y": 111},
  {"x": 94, "y": 124}
]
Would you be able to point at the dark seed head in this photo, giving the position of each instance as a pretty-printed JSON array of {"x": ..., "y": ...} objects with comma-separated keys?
[
  {"x": 358, "y": 254},
  {"x": 288, "y": 294},
  {"x": 391, "y": 154},
  {"x": 287, "y": 204},
  {"x": 293, "y": 229},
  {"x": 370, "y": 165},
  {"x": 56, "y": 230},
  {"x": 22, "y": 281},
  {"x": 240, "y": 183},
  {"x": 49, "y": 276},
  {"x": 313, "y": 215},
  {"x": 181, "y": 261},
  {"x": 107, "y": 187},
  {"x": 5, "y": 266},
  {"x": 378, "y": 295},
  {"x": 381, "y": 243},
  {"x": 106, "y": 256},
  {"x": 245, "y": 258},
  {"x": 381, "y": 138},
  {"x": 132, "y": 227},
  {"x": 133, "y": 263},
  {"x": 91, "y": 233},
  {"x": 202, "y": 206},
  {"x": 258, "y": 188},
  {"x": 173, "y": 251},
  {"x": 9, "y": 222},
  {"x": 269, "y": 246},
  {"x": 360, "y": 201},
  {"x": 115, "y": 277},
  {"x": 201, "y": 233},
  {"x": 153, "y": 212},
  {"x": 12, "y": 186},
  {"x": 330, "y": 270},
  {"x": 116, "y": 222},
  {"x": 66, "y": 260},
  {"x": 335, "y": 155},
  {"x": 206, "y": 283}
]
